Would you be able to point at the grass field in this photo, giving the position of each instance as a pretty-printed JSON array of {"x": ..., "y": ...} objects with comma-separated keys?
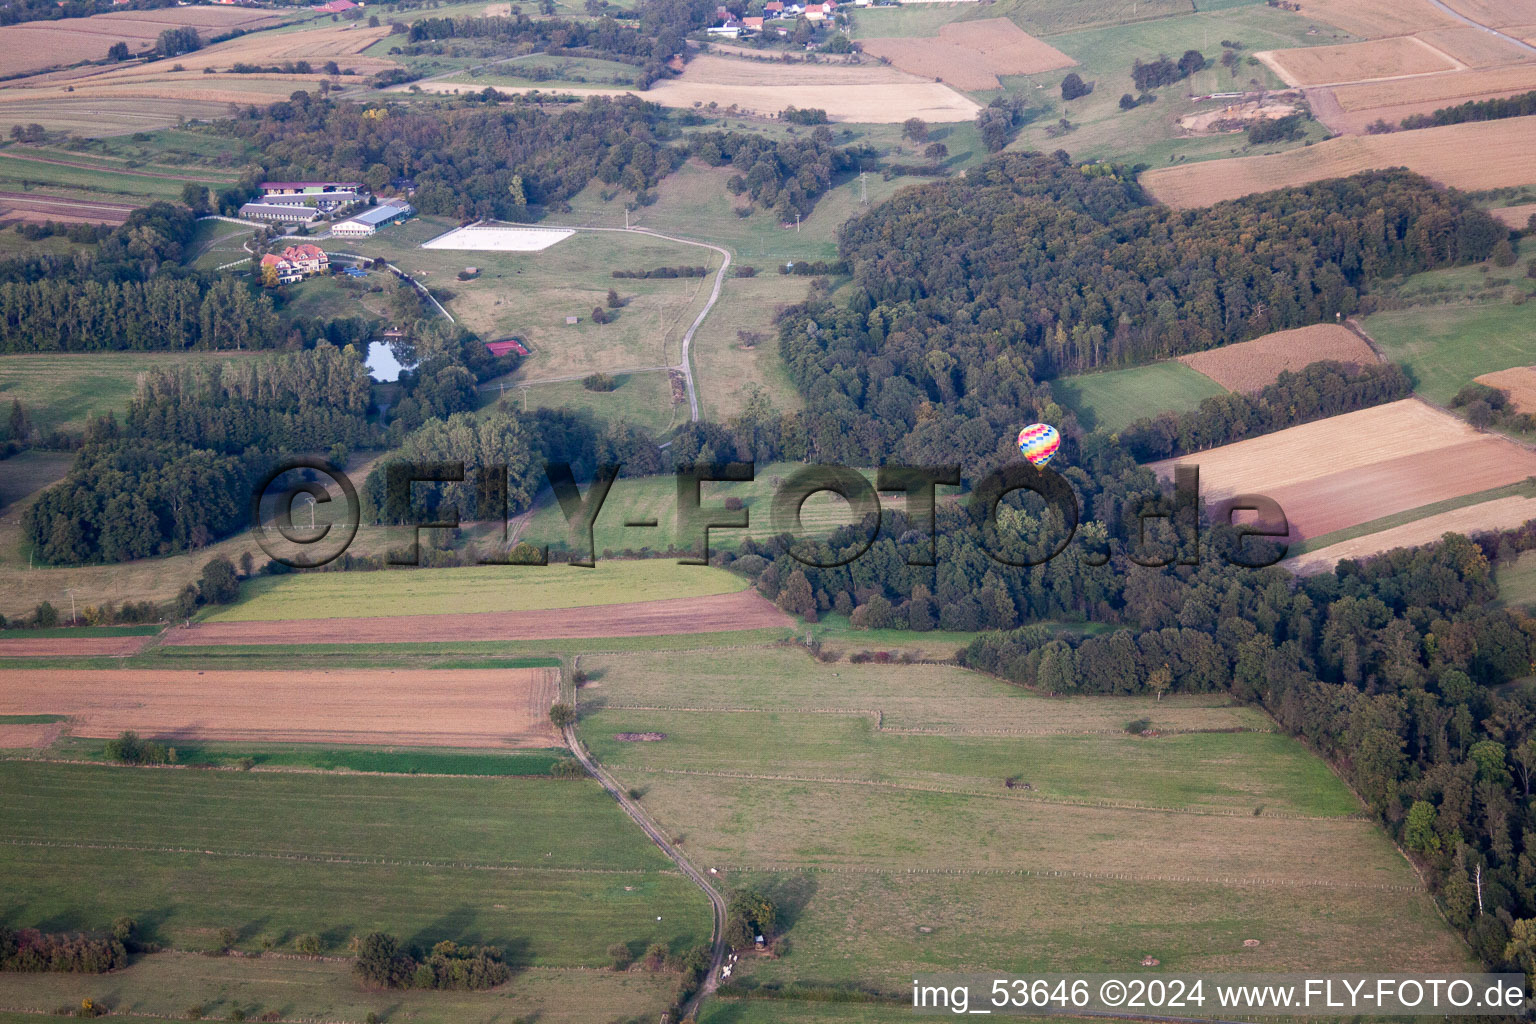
[
  {"x": 24, "y": 474},
  {"x": 531, "y": 294},
  {"x": 898, "y": 848},
  {"x": 643, "y": 399},
  {"x": 634, "y": 499},
  {"x": 164, "y": 987},
  {"x": 1112, "y": 400},
  {"x": 553, "y": 872},
  {"x": 1037, "y": 17},
  {"x": 727, "y": 371},
  {"x": 1444, "y": 348},
  {"x": 1517, "y": 582},
  {"x": 393, "y": 760},
  {"x": 216, "y": 243},
  {"x": 61, "y": 391},
  {"x": 472, "y": 589},
  {"x": 19, "y": 174}
]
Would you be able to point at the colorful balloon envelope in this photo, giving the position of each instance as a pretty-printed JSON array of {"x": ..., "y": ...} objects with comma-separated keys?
[{"x": 1039, "y": 442}]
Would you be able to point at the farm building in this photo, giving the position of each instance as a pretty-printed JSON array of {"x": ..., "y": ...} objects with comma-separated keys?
[
  {"x": 283, "y": 213},
  {"x": 323, "y": 201},
  {"x": 369, "y": 221},
  {"x": 505, "y": 346},
  {"x": 308, "y": 188}
]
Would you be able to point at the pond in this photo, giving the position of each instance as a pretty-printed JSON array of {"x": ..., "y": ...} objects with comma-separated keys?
[{"x": 382, "y": 364}]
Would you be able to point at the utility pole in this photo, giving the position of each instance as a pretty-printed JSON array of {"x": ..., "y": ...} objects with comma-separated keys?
[
  {"x": 863, "y": 189},
  {"x": 797, "y": 222}
]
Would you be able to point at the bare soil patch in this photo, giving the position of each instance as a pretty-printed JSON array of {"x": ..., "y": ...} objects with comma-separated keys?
[
  {"x": 1360, "y": 466},
  {"x": 1357, "y": 62},
  {"x": 1519, "y": 381},
  {"x": 1234, "y": 117},
  {"x": 1251, "y": 365},
  {"x": 743, "y": 610},
  {"x": 29, "y": 737},
  {"x": 971, "y": 54},
  {"x": 38, "y": 209},
  {"x": 1506, "y": 156},
  {"x": 72, "y": 647},
  {"x": 471, "y": 708},
  {"x": 1500, "y": 514}
]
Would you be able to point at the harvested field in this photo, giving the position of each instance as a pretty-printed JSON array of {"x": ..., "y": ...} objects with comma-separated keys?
[
  {"x": 1506, "y": 149},
  {"x": 1377, "y": 19},
  {"x": 25, "y": 206},
  {"x": 1502, "y": 514},
  {"x": 971, "y": 54},
  {"x": 744, "y": 610},
  {"x": 1519, "y": 382},
  {"x": 1357, "y": 62},
  {"x": 1348, "y": 109},
  {"x": 1439, "y": 90},
  {"x": 72, "y": 647},
  {"x": 1517, "y": 217},
  {"x": 98, "y": 117},
  {"x": 1361, "y": 466},
  {"x": 1497, "y": 13},
  {"x": 35, "y": 45},
  {"x": 1251, "y": 365},
  {"x": 1474, "y": 47},
  {"x": 470, "y": 708}
]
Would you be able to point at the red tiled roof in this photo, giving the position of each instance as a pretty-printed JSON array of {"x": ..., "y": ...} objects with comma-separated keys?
[{"x": 501, "y": 348}]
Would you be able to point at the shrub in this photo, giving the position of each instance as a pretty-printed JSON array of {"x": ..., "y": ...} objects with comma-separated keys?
[
  {"x": 599, "y": 382},
  {"x": 1073, "y": 86},
  {"x": 308, "y": 944},
  {"x": 1138, "y": 726},
  {"x": 562, "y": 714},
  {"x": 619, "y": 954}
]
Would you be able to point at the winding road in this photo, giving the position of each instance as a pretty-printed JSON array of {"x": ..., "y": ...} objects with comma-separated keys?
[{"x": 717, "y": 902}]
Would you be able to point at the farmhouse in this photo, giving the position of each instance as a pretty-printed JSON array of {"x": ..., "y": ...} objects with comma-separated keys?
[
  {"x": 284, "y": 271},
  {"x": 296, "y": 263},
  {"x": 369, "y": 221},
  {"x": 284, "y": 213}
]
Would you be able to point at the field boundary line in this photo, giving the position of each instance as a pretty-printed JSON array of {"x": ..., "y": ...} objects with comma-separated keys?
[
  {"x": 325, "y": 858},
  {"x": 1008, "y": 795},
  {"x": 1108, "y": 876}
]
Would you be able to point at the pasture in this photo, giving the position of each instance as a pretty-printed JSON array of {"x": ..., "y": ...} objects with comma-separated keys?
[
  {"x": 164, "y": 987},
  {"x": 530, "y": 294},
  {"x": 1517, "y": 581},
  {"x": 1037, "y": 17},
  {"x": 1444, "y": 348},
  {"x": 893, "y": 843},
  {"x": 22, "y": 171},
  {"x": 639, "y": 499},
  {"x": 1111, "y": 400},
  {"x": 643, "y": 399},
  {"x": 555, "y": 874},
  {"x": 63, "y": 390},
  {"x": 736, "y": 351},
  {"x": 1361, "y": 466},
  {"x": 474, "y": 589},
  {"x": 1508, "y": 148},
  {"x": 1250, "y": 365}
]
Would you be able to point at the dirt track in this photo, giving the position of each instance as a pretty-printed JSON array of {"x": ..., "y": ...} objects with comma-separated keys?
[
  {"x": 468, "y": 708},
  {"x": 743, "y": 610},
  {"x": 73, "y": 647}
]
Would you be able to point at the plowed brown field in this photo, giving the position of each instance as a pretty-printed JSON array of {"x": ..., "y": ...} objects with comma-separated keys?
[
  {"x": 743, "y": 610},
  {"x": 72, "y": 647},
  {"x": 1361, "y": 466},
  {"x": 971, "y": 54},
  {"x": 1518, "y": 217},
  {"x": 1500, "y": 514},
  {"x": 471, "y": 708},
  {"x": 1251, "y": 365},
  {"x": 1505, "y": 156}
]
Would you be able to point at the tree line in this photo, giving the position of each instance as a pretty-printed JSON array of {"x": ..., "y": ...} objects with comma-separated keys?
[
  {"x": 1318, "y": 391},
  {"x": 1475, "y": 110}
]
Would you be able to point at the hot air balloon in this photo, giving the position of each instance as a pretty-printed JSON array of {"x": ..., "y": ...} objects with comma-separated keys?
[{"x": 1039, "y": 442}]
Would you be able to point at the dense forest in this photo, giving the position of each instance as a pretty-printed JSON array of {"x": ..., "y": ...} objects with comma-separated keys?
[{"x": 967, "y": 292}]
